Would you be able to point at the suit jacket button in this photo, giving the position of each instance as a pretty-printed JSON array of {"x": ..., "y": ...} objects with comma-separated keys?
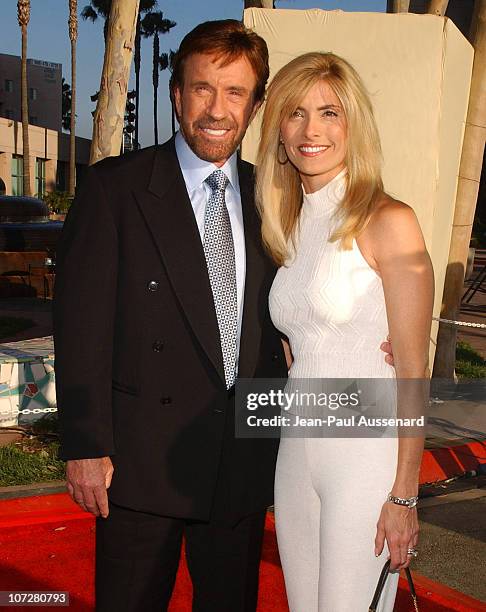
[
  {"x": 157, "y": 346},
  {"x": 165, "y": 401},
  {"x": 153, "y": 285},
  {"x": 274, "y": 357}
]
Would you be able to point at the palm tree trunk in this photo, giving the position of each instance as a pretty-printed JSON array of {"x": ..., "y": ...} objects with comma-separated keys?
[
  {"x": 137, "y": 59},
  {"x": 73, "y": 35},
  {"x": 25, "y": 117},
  {"x": 110, "y": 109},
  {"x": 467, "y": 194},
  {"x": 155, "y": 79},
  {"x": 259, "y": 4},
  {"x": 156, "y": 127},
  {"x": 401, "y": 6},
  {"x": 438, "y": 7},
  {"x": 23, "y": 16}
]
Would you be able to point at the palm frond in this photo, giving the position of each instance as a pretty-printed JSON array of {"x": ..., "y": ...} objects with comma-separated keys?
[
  {"x": 102, "y": 7},
  {"x": 89, "y": 13},
  {"x": 147, "y": 5},
  {"x": 163, "y": 61},
  {"x": 165, "y": 25},
  {"x": 154, "y": 22}
]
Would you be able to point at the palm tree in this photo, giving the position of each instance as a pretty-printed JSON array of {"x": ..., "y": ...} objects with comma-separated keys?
[
  {"x": 438, "y": 7},
  {"x": 173, "y": 113},
  {"x": 73, "y": 35},
  {"x": 23, "y": 14},
  {"x": 146, "y": 6},
  {"x": 259, "y": 4},
  {"x": 154, "y": 24},
  {"x": 66, "y": 105},
  {"x": 398, "y": 6},
  {"x": 95, "y": 9}
]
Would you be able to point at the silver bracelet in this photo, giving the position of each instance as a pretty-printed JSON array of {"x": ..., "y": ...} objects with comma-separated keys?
[{"x": 410, "y": 502}]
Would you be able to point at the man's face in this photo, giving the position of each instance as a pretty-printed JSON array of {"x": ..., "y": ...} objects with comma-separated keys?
[{"x": 215, "y": 105}]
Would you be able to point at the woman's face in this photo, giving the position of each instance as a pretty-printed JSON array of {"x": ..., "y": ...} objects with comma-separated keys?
[{"x": 315, "y": 137}]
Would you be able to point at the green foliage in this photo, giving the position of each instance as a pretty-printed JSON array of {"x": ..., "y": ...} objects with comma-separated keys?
[
  {"x": 58, "y": 201},
  {"x": 21, "y": 465},
  {"x": 469, "y": 363},
  {"x": 34, "y": 458},
  {"x": 10, "y": 326}
]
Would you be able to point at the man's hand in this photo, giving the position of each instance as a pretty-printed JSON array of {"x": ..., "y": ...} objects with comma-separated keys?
[
  {"x": 87, "y": 482},
  {"x": 386, "y": 347}
]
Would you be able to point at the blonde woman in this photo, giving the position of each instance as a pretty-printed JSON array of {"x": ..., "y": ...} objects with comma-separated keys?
[{"x": 354, "y": 268}]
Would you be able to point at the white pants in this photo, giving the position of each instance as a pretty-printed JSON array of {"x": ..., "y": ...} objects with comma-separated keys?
[{"x": 328, "y": 498}]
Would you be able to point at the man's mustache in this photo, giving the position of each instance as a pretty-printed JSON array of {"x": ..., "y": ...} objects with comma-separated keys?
[{"x": 211, "y": 125}]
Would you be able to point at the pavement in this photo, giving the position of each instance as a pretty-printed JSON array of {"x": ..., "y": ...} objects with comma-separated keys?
[
  {"x": 29, "y": 308},
  {"x": 452, "y": 540}
]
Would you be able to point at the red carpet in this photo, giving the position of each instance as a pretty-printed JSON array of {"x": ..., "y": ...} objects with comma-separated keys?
[{"x": 46, "y": 543}]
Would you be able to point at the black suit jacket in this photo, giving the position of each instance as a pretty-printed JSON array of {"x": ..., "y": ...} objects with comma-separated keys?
[{"x": 139, "y": 369}]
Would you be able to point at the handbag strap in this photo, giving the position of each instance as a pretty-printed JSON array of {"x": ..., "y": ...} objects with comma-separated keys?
[
  {"x": 411, "y": 586},
  {"x": 379, "y": 587},
  {"x": 381, "y": 584}
]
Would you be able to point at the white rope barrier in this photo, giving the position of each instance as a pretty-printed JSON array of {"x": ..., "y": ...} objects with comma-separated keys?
[{"x": 461, "y": 323}]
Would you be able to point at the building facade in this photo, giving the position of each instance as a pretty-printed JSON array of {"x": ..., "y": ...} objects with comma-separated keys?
[
  {"x": 49, "y": 147},
  {"x": 44, "y": 91},
  {"x": 49, "y": 159}
]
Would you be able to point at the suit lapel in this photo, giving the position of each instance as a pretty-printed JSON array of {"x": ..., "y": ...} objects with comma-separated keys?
[
  {"x": 254, "y": 300},
  {"x": 170, "y": 219}
]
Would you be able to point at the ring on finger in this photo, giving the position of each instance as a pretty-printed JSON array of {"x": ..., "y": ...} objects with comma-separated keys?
[{"x": 413, "y": 552}]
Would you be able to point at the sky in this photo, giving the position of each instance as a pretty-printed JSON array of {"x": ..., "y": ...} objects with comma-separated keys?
[{"x": 48, "y": 40}]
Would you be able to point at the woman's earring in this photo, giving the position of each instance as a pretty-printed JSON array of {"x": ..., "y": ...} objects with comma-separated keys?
[{"x": 280, "y": 161}]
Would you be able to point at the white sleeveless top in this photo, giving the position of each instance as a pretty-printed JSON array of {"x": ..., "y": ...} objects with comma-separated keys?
[{"x": 330, "y": 302}]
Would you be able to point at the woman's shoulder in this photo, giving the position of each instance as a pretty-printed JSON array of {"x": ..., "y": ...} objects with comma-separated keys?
[
  {"x": 394, "y": 225},
  {"x": 387, "y": 209},
  {"x": 390, "y": 214}
]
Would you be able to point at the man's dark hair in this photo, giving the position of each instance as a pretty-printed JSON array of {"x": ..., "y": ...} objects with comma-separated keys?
[{"x": 228, "y": 40}]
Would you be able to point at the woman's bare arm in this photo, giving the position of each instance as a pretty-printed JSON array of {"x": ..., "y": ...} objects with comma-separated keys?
[{"x": 408, "y": 282}]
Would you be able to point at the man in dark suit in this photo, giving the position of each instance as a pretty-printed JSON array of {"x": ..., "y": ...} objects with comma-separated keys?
[{"x": 161, "y": 300}]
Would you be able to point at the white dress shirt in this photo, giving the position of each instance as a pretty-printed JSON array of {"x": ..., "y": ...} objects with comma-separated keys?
[{"x": 195, "y": 171}]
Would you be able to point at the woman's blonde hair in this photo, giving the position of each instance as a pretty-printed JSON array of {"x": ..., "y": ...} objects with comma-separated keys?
[{"x": 278, "y": 186}]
